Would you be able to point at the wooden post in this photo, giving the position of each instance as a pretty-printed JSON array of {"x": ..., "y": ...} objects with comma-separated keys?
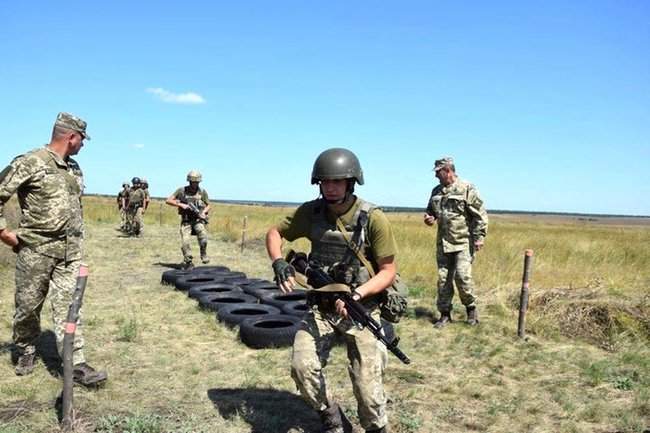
[
  {"x": 68, "y": 343},
  {"x": 160, "y": 215},
  {"x": 523, "y": 298},
  {"x": 243, "y": 234}
]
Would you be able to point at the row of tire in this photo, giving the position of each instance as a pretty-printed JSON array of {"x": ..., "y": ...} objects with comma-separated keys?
[{"x": 266, "y": 317}]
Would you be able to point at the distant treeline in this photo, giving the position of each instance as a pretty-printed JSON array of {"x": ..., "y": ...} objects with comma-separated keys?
[{"x": 408, "y": 209}]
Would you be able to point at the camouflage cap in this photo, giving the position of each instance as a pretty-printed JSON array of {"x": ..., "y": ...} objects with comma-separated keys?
[
  {"x": 443, "y": 162},
  {"x": 70, "y": 121}
]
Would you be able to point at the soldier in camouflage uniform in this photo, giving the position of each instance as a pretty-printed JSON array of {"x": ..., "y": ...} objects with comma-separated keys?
[
  {"x": 336, "y": 171},
  {"x": 49, "y": 185},
  {"x": 147, "y": 196},
  {"x": 135, "y": 208},
  {"x": 122, "y": 197},
  {"x": 462, "y": 226},
  {"x": 192, "y": 223}
]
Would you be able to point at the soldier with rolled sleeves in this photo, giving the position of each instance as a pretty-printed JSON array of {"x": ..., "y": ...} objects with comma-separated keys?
[
  {"x": 336, "y": 171},
  {"x": 48, "y": 242},
  {"x": 185, "y": 199},
  {"x": 122, "y": 198},
  {"x": 462, "y": 226},
  {"x": 135, "y": 208}
]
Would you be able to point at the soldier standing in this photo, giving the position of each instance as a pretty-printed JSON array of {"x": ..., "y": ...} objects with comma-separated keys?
[
  {"x": 336, "y": 171},
  {"x": 147, "y": 196},
  {"x": 462, "y": 226},
  {"x": 122, "y": 197},
  {"x": 193, "y": 206},
  {"x": 49, "y": 185},
  {"x": 135, "y": 208}
]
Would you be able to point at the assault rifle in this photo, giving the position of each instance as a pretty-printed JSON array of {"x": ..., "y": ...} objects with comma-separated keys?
[
  {"x": 318, "y": 278},
  {"x": 193, "y": 209}
]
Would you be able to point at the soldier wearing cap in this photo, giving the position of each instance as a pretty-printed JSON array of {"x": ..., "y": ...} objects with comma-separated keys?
[
  {"x": 326, "y": 222},
  {"x": 122, "y": 203},
  {"x": 48, "y": 242},
  {"x": 462, "y": 226},
  {"x": 193, "y": 206}
]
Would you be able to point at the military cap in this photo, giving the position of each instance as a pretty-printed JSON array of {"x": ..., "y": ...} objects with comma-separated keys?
[
  {"x": 70, "y": 121},
  {"x": 443, "y": 162}
]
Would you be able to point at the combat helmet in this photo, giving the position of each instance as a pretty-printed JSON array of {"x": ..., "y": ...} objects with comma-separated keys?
[
  {"x": 336, "y": 163},
  {"x": 126, "y": 183},
  {"x": 135, "y": 181},
  {"x": 194, "y": 176},
  {"x": 143, "y": 181}
]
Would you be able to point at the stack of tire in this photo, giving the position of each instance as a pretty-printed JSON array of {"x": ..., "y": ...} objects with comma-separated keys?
[{"x": 266, "y": 317}]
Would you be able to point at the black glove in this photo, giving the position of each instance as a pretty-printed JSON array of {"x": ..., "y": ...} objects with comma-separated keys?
[{"x": 283, "y": 271}]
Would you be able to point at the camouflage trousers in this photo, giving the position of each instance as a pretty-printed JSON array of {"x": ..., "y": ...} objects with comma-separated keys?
[
  {"x": 135, "y": 220},
  {"x": 186, "y": 236},
  {"x": 122, "y": 217},
  {"x": 367, "y": 360},
  {"x": 455, "y": 267},
  {"x": 36, "y": 275}
]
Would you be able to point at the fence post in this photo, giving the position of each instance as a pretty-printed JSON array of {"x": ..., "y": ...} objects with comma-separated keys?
[
  {"x": 243, "y": 234},
  {"x": 523, "y": 297},
  {"x": 160, "y": 215}
]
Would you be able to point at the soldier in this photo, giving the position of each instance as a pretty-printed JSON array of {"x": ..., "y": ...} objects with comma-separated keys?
[
  {"x": 48, "y": 242},
  {"x": 122, "y": 203},
  {"x": 336, "y": 171},
  {"x": 135, "y": 208},
  {"x": 193, "y": 206},
  {"x": 147, "y": 196},
  {"x": 462, "y": 226}
]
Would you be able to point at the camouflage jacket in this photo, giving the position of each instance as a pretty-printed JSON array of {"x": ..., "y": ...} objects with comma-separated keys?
[
  {"x": 136, "y": 198},
  {"x": 460, "y": 214},
  {"x": 49, "y": 192}
]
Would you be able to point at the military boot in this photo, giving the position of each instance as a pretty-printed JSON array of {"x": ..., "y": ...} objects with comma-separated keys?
[
  {"x": 331, "y": 419},
  {"x": 204, "y": 254},
  {"x": 187, "y": 263},
  {"x": 25, "y": 364},
  {"x": 445, "y": 318},
  {"x": 472, "y": 316},
  {"x": 378, "y": 430},
  {"x": 85, "y": 375}
]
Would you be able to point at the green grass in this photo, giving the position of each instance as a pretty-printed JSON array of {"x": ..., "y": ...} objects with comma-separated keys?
[{"x": 172, "y": 368}]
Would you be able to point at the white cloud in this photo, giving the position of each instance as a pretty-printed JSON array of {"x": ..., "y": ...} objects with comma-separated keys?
[
  {"x": 139, "y": 145},
  {"x": 176, "y": 98}
]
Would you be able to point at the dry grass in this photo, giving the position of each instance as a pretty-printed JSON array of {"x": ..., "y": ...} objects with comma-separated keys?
[{"x": 174, "y": 369}]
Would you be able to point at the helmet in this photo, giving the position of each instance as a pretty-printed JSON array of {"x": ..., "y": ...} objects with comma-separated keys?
[
  {"x": 144, "y": 181},
  {"x": 194, "y": 176},
  {"x": 135, "y": 180},
  {"x": 337, "y": 163},
  {"x": 125, "y": 183}
]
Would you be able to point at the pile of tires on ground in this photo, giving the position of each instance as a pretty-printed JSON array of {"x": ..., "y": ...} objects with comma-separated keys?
[{"x": 266, "y": 317}]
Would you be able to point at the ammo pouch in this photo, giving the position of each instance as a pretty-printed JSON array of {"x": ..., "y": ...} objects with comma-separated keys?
[{"x": 394, "y": 301}]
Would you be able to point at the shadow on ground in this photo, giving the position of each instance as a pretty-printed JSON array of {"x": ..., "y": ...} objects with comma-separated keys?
[
  {"x": 169, "y": 265},
  {"x": 424, "y": 313},
  {"x": 45, "y": 351},
  {"x": 266, "y": 410}
]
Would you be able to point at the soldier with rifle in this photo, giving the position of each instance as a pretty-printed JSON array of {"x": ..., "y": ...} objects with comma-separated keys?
[
  {"x": 346, "y": 232},
  {"x": 135, "y": 208},
  {"x": 122, "y": 197},
  {"x": 193, "y": 206}
]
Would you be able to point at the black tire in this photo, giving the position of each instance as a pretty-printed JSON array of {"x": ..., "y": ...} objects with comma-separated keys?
[
  {"x": 236, "y": 281},
  {"x": 232, "y": 275},
  {"x": 295, "y": 308},
  {"x": 212, "y": 289},
  {"x": 187, "y": 281},
  {"x": 214, "y": 302},
  {"x": 169, "y": 277},
  {"x": 212, "y": 269},
  {"x": 280, "y": 299},
  {"x": 233, "y": 315},
  {"x": 275, "y": 330},
  {"x": 260, "y": 289},
  {"x": 254, "y": 281}
]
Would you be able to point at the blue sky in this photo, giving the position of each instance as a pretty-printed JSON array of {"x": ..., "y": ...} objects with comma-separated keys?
[{"x": 545, "y": 106}]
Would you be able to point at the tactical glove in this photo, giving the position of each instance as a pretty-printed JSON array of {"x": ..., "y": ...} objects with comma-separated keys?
[{"x": 283, "y": 271}]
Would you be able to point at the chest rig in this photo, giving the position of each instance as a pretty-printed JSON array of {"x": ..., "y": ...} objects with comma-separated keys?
[
  {"x": 195, "y": 199},
  {"x": 333, "y": 252}
]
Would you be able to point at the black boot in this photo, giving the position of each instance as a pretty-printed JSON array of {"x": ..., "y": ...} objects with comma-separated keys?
[
  {"x": 472, "y": 316},
  {"x": 445, "y": 318},
  {"x": 85, "y": 375},
  {"x": 378, "y": 430},
  {"x": 331, "y": 419}
]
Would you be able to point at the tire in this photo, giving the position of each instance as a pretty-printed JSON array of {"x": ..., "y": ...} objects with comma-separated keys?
[
  {"x": 214, "y": 302},
  {"x": 275, "y": 330},
  {"x": 295, "y": 308},
  {"x": 280, "y": 299},
  {"x": 212, "y": 269},
  {"x": 236, "y": 281},
  {"x": 233, "y": 315},
  {"x": 232, "y": 275},
  {"x": 169, "y": 277},
  {"x": 211, "y": 289},
  {"x": 260, "y": 289},
  {"x": 187, "y": 281},
  {"x": 254, "y": 281}
]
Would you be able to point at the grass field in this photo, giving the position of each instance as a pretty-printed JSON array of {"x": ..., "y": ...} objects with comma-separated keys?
[{"x": 584, "y": 368}]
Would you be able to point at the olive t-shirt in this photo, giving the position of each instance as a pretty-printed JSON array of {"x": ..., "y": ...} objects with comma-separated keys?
[{"x": 380, "y": 233}]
